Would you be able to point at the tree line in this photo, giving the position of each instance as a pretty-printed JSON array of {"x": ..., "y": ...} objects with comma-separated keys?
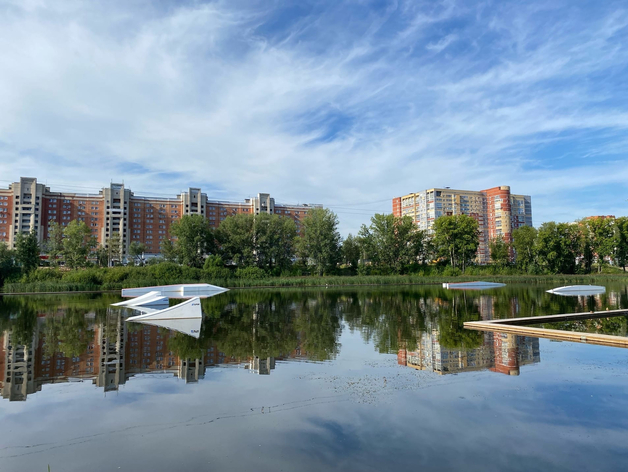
[{"x": 270, "y": 245}]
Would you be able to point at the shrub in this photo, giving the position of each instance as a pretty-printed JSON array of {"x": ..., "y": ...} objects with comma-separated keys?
[{"x": 253, "y": 273}]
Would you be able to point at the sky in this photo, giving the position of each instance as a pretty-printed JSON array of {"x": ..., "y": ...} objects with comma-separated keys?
[{"x": 344, "y": 103}]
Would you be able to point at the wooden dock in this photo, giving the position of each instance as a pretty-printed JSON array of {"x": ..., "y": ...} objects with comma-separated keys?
[{"x": 517, "y": 326}]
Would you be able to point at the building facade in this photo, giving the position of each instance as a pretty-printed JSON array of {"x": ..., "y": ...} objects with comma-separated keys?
[
  {"x": 497, "y": 211},
  {"x": 27, "y": 206}
]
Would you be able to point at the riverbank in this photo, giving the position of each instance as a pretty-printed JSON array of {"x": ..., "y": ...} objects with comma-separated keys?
[{"x": 95, "y": 285}]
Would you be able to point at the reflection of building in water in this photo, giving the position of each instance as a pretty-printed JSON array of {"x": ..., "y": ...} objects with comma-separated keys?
[
  {"x": 116, "y": 351},
  {"x": 111, "y": 343},
  {"x": 17, "y": 364},
  {"x": 499, "y": 353},
  {"x": 262, "y": 366}
]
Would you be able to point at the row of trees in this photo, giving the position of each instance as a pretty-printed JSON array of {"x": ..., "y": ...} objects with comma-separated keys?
[
  {"x": 568, "y": 248},
  {"x": 388, "y": 245}
]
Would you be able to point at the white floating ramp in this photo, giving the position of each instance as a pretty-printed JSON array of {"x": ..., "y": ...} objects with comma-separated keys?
[
  {"x": 153, "y": 298},
  {"x": 185, "y": 318},
  {"x": 177, "y": 291},
  {"x": 472, "y": 285},
  {"x": 578, "y": 290}
]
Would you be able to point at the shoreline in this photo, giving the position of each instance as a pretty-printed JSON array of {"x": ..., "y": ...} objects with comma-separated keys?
[{"x": 332, "y": 281}]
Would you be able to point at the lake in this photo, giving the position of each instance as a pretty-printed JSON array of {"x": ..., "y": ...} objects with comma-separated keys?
[{"x": 367, "y": 379}]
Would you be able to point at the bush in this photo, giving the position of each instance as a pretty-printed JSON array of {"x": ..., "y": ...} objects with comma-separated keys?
[
  {"x": 252, "y": 273},
  {"x": 451, "y": 272},
  {"x": 214, "y": 273}
]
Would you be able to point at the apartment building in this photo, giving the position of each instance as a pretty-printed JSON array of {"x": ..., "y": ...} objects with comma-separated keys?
[
  {"x": 497, "y": 211},
  {"x": 28, "y": 205}
]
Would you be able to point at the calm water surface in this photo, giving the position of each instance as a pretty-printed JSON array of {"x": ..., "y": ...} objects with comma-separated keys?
[{"x": 338, "y": 379}]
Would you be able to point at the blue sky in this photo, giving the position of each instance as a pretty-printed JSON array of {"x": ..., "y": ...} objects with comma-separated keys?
[{"x": 342, "y": 103}]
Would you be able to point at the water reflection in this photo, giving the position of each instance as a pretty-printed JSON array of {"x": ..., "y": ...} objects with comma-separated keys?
[{"x": 52, "y": 339}]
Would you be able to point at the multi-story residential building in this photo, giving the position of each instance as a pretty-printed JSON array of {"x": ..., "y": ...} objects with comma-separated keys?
[
  {"x": 497, "y": 211},
  {"x": 114, "y": 354},
  {"x": 28, "y": 205}
]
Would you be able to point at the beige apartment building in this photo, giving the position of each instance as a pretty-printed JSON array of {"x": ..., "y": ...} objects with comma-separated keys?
[{"x": 497, "y": 211}]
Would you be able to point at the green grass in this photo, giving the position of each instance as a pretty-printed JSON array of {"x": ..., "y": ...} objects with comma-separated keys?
[{"x": 91, "y": 283}]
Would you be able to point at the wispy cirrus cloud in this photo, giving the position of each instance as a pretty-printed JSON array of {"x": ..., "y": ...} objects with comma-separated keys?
[{"x": 343, "y": 103}]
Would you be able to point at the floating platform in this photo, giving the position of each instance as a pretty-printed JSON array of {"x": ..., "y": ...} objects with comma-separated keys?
[
  {"x": 472, "y": 285},
  {"x": 177, "y": 291}
]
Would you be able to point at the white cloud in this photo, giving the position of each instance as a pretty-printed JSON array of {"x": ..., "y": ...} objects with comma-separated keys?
[{"x": 339, "y": 105}]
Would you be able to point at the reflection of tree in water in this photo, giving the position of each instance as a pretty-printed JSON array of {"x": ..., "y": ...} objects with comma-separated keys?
[
  {"x": 451, "y": 319},
  {"x": 73, "y": 333}
]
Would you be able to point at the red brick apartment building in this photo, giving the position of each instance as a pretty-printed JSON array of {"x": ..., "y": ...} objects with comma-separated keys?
[
  {"x": 114, "y": 354},
  {"x": 497, "y": 211},
  {"x": 28, "y": 205}
]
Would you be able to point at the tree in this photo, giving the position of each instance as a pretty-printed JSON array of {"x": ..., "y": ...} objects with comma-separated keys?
[
  {"x": 274, "y": 242},
  {"x": 457, "y": 238},
  {"x": 102, "y": 256},
  {"x": 523, "y": 241},
  {"x": 136, "y": 251},
  {"x": 557, "y": 247},
  {"x": 602, "y": 234},
  {"x": 500, "y": 251},
  {"x": 114, "y": 248},
  {"x": 351, "y": 252},
  {"x": 77, "y": 244},
  {"x": 392, "y": 243},
  {"x": 54, "y": 244},
  {"x": 193, "y": 240},
  {"x": 168, "y": 251},
  {"x": 236, "y": 236},
  {"x": 621, "y": 242},
  {"x": 320, "y": 240},
  {"x": 27, "y": 251},
  {"x": 264, "y": 241},
  {"x": 7, "y": 262}
]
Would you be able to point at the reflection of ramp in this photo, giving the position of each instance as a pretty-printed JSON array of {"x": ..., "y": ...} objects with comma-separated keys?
[
  {"x": 578, "y": 290},
  {"x": 185, "y": 318},
  {"x": 153, "y": 298},
  {"x": 176, "y": 291},
  {"x": 519, "y": 326},
  {"x": 472, "y": 285}
]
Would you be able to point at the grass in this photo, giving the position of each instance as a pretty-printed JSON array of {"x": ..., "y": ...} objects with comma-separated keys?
[{"x": 91, "y": 284}]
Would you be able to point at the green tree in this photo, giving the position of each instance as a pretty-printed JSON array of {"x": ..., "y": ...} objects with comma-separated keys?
[
  {"x": 77, "y": 244},
  {"x": 557, "y": 247},
  {"x": 500, "y": 251},
  {"x": 264, "y": 241},
  {"x": 602, "y": 234},
  {"x": 621, "y": 242},
  {"x": 27, "y": 251},
  {"x": 193, "y": 240},
  {"x": 236, "y": 236},
  {"x": 320, "y": 240},
  {"x": 114, "y": 248},
  {"x": 351, "y": 252},
  {"x": 136, "y": 251},
  {"x": 102, "y": 256},
  {"x": 457, "y": 238},
  {"x": 523, "y": 242},
  {"x": 54, "y": 244},
  {"x": 168, "y": 251},
  {"x": 7, "y": 262},
  {"x": 391, "y": 243},
  {"x": 274, "y": 242}
]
